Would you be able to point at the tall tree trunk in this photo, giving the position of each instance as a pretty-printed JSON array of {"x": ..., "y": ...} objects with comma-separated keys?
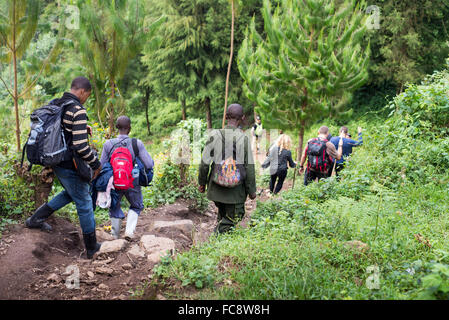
[
  {"x": 300, "y": 141},
  {"x": 111, "y": 110},
  {"x": 145, "y": 103},
  {"x": 303, "y": 123},
  {"x": 183, "y": 109},
  {"x": 208, "y": 113},
  {"x": 16, "y": 94},
  {"x": 112, "y": 114},
  {"x": 230, "y": 62},
  {"x": 300, "y": 136}
]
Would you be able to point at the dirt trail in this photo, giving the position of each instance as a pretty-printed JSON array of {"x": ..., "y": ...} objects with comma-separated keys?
[
  {"x": 41, "y": 265},
  {"x": 38, "y": 265}
]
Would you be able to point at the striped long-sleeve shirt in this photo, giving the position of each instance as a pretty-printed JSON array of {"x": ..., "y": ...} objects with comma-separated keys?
[{"x": 74, "y": 122}]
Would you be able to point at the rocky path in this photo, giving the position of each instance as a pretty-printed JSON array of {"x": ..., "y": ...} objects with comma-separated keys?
[
  {"x": 53, "y": 266},
  {"x": 41, "y": 265}
]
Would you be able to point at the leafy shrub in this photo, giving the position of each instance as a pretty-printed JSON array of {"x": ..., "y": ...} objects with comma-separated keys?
[{"x": 16, "y": 195}]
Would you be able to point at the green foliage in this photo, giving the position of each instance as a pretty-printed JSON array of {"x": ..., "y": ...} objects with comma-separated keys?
[
  {"x": 16, "y": 196},
  {"x": 392, "y": 196},
  {"x": 297, "y": 75},
  {"x": 112, "y": 34},
  {"x": 411, "y": 41}
]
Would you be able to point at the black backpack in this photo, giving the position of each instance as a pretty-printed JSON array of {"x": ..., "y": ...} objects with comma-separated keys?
[
  {"x": 46, "y": 145},
  {"x": 318, "y": 160}
]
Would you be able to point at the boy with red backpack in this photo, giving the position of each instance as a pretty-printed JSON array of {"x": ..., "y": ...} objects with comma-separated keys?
[
  {"x": 124, "y": 154},
  {"x": 320, "y": 154}
]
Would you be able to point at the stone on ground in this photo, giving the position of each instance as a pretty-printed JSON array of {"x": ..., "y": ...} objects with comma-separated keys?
[
  {"x": 357, "y": 245},
  {"x": 136, "y": 252},
  {"x": 104, "y": 270},
  {"x": 112, "y": 246},
  {"x": 156, "y": 247},
  {"x": 185, "y": 226}
]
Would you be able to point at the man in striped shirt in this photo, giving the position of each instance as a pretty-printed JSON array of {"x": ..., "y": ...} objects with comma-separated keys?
[{"x": 76, "y": 189}]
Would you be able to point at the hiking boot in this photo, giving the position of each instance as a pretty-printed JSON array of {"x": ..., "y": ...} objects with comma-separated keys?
[
  {"x": 115, "y": 227},
  {"x": 92, "y": 246},
  {"x": 131, "y": 223},
  {"x": 37, "y": 220}
]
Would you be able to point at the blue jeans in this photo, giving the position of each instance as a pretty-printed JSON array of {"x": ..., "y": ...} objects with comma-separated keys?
[
  {"x": 135, "y": 199},
  {"x": 75, "y": 190}
]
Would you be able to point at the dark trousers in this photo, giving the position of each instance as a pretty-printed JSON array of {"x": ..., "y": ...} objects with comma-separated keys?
[
  {"x": 280, "y": 177},
  {"x": 228, "y": 216},
  {"x": 338, "y": 168},
  {"x": 310, "y": 176}
]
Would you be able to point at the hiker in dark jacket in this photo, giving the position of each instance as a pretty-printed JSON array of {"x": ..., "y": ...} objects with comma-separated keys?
[
  {"x": 230, "y": 201},
  {"x": 133, "y": 195},
  {"x": 278, "y": 160},
  {"x": 75, "y": 128}
]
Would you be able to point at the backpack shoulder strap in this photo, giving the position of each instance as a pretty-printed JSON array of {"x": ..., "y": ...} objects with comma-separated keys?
[
  {"x": 115, "y": 142},
  {"x": 135, "y": 147}
]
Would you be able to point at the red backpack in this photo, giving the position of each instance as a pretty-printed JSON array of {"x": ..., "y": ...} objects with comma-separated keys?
[{"x": 122, "y": 166}]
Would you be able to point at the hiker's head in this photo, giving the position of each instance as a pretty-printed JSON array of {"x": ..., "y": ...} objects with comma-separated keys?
[
  {"x": 81, "y": 88},
  {"x": 234, "y": 114},
  {"x": 123, "y": 124},
  {"x": 344, "y": 132},
  {"x": 323, "y": 132},
  {"x": 258, "y": 120},
  {"x": 284, "y": 142}
]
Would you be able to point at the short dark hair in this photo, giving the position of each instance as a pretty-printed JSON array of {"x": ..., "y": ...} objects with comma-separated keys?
[
  {"x": 344, "y": 129},
  {"x": 234, "y": 111},
  {"x": 81, "y": 83},
  {"x": 323, "y": 130},
  {"x": 123, "y": 122}
]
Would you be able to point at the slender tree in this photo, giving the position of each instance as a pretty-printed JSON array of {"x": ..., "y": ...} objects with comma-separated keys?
[
  {"x": 233, "y": 4},
  {"x": 307, "y": 65},
  {"x": 189, "y": 64},
  {"x": 112, "y": 33},
  {"x": 18, "y": 24}
]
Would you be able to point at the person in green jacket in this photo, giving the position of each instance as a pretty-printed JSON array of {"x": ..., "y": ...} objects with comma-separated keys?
[{"x": 230, "y": 199}]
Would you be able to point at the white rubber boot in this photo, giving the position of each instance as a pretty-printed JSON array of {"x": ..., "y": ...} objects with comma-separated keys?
[
  {"x": 116, "y": 223},
  {"x": 131, "y": 223}
]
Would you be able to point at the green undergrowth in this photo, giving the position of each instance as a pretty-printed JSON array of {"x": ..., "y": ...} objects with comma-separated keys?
[{"x": 392, "y": 198}]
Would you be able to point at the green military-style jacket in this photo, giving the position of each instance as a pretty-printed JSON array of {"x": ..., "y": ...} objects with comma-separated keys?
[{"x": 216, "y": 192}]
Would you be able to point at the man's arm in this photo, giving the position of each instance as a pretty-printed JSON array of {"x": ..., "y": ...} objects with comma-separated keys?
[
  {"x": 105, "y": 153},
  {"x": 250, "y": 181},
  {"x": 80, "y": 143},
  {"x": 144, "y": 156},
  {"x": 303, "y": 160},
  {"x": 334, "y": 153},
  {"x": 203, "y": 170},
  {"x": 359, "y": 141}
]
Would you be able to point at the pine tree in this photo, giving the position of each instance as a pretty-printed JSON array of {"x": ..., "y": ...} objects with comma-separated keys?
[
  {"x": 308, "y": 64},
  {"x": 112, "y": 33},
  {"x": 189, "y": 64},
  {"x": 18, "y": 24}
]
